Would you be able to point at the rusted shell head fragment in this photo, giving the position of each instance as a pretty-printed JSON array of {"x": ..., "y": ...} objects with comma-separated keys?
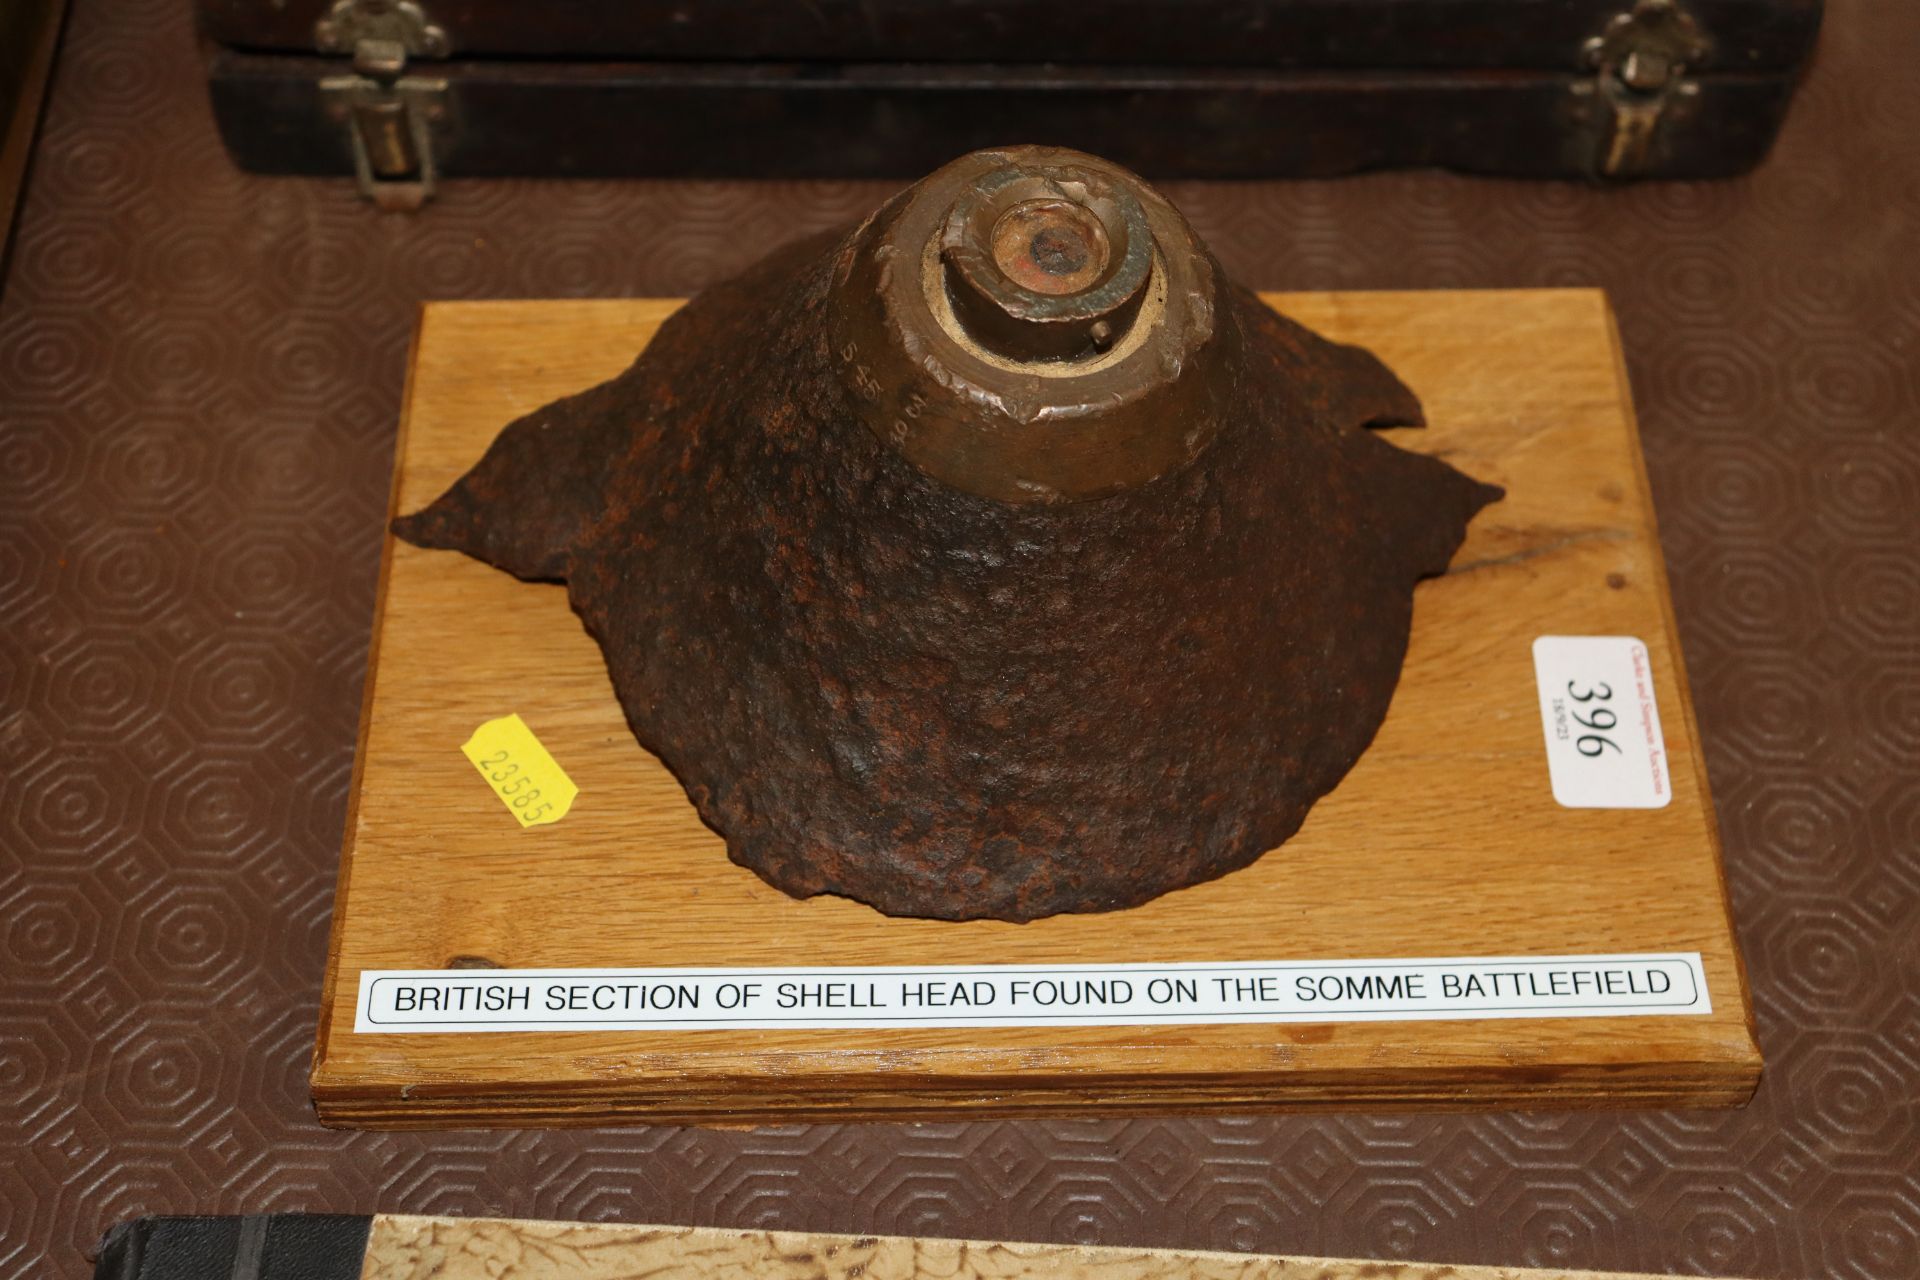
[{"x": 994, "y": 558}]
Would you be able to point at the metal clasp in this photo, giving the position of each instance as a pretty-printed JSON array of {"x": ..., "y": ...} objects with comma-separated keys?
[
  {"x": 391, "y": 117},
  {"x": 1640, "y": 64}
]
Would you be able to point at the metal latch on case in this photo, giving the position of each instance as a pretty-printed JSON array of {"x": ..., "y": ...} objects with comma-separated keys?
[
  {"x": 1640, "y": 64},
  {"x": 391, "y": 118}
]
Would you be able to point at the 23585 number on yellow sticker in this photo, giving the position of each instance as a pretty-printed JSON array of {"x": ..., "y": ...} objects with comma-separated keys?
[{"x": 533, "y": 786}]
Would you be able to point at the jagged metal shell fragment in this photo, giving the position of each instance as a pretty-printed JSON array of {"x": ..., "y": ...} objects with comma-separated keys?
[{"x": 994, "y": 559}]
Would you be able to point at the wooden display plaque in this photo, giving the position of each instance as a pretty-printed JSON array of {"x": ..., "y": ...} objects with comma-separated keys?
[
  {"x": 1444, "y": 841},
  {"x": 401, "y": 1247}
]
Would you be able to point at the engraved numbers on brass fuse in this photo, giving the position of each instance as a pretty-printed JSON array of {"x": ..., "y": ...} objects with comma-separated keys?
[{"x": 862, "y": 380}]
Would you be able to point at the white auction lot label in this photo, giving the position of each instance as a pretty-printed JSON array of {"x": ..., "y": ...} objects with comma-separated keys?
[
  {"x": 416, "y": 1001},
  {"x": 1604, "y": 747}
]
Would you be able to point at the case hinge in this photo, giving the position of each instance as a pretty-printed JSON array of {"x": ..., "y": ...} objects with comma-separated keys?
[
  {"x": 391, "y": 117},
  {"x": 1640, "y": 64}
]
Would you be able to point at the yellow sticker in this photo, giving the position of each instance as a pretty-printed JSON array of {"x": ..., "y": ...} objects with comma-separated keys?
[{"x": 535, "y": 789}]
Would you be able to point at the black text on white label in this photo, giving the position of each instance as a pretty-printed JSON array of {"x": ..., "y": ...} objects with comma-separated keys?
[{"x": 439, "y": 1001}]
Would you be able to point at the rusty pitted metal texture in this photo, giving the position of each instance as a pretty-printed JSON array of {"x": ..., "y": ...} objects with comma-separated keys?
[
  {"x": 200, "y": 373},
  {"x": 996, "y": 559}
]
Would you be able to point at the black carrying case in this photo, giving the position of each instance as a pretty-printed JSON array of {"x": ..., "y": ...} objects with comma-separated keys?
[{"x": 407, "y": 91}]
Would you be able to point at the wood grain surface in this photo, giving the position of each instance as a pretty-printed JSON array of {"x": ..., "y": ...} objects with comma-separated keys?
[
  {"x": 420, "y": 1248},
  {"x": 1445, "y": 840}
]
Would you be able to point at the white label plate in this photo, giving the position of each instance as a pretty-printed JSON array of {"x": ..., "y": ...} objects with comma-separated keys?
[
  {"x": 438, "y": 1001},
  {"x": 1604, "y": 746}
]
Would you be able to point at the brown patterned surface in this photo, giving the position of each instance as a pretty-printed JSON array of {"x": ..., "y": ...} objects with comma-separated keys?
[{"x": 199, "y": 375}]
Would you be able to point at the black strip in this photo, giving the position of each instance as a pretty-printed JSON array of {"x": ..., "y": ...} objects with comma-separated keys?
[
  {"x": 1357, "y": 34},
  {"x": 283, "y": 1246}
]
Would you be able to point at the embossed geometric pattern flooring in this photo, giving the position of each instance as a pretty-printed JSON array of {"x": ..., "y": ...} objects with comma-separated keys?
[{"x": 199, "y": 379}]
